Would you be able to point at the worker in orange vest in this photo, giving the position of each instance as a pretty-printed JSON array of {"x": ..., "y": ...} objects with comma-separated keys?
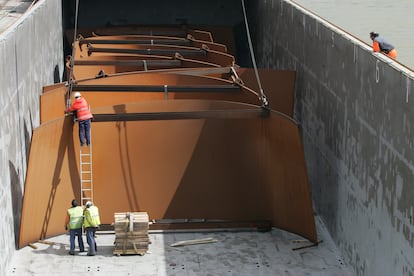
[
  {"x": 379, "y": 44},
  {"x": 83, "y": 116}
]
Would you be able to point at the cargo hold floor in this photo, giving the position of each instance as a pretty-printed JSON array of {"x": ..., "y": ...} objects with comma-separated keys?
[{"x": 231, "y": 253}]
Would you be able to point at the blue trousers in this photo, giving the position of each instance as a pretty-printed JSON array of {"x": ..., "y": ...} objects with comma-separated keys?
[
  {"x": 72, "y": 234},
  {"x": 90, "y": 239},
  {"x": 85, "y": 132}
]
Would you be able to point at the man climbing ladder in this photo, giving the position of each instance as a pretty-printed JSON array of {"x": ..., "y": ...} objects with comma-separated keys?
[{"x": 84, "y": 116}]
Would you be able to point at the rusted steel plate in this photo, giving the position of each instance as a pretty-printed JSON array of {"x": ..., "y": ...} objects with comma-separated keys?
[
  {"x": 172, "y": 169},
  {"x": 91, "y": 66},
  {"x": 157, "y": 31},
  {"x": 153, "y": 40},
  {"x": 182, "y": 143},
  {"x": 200, "y": 54},
  {"x": 281, "y": 95}
]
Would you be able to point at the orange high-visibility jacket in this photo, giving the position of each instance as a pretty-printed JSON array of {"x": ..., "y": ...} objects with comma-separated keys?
[
  {"x": 82, "y": 109},
  {"x": 379, "y": 44}
]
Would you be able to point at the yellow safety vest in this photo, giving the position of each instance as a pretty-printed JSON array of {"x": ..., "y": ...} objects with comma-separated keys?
[
  {"x": 76, "y": 216},
  {"x": 92, "y": 217}
]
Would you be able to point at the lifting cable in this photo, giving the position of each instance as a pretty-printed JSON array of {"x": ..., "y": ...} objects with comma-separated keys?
[
  {"x": 262, "y": 95},
  {"x": 72, "y": 61}
]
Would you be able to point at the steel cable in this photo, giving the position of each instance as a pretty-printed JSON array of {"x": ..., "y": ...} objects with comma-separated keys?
[{"x": 263, "y": 96}]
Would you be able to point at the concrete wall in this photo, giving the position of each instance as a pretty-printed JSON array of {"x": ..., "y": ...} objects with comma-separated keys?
[
  {"x": 30, "y": 57},
  {"x": 355, "y": 109}
]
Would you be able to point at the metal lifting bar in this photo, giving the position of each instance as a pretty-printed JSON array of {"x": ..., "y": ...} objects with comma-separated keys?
[
  {"x": 224, "y": 88},
  {"x": 253, "y": 112},
  {"x": 148, "y": 51},
  {"x": 154, "y": 62},
  {"x": 179, "y": 42}
]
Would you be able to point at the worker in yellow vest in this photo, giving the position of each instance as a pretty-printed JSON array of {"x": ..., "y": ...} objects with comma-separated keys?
[
  {"x": 73, "y": 222},
  {"x": 91, "y": 223}
]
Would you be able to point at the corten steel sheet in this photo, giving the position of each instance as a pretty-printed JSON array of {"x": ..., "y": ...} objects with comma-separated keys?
[
  {"x": 220, "y": 168},
  {"x": 210, "y": 45},
  {"x": 127, "y": 58},
  {"x": 107, "y": 58},
  {"x": 83, "y": 71},
  {"x": 90, "y": 68},
  {"x": 278, "y": 86},
  {"x": 172, "y": 31},
  {"x": 53, "y": 103},
  {"x": 121, "y": 58},
  {"x": 223, "y": 35},
  {"x": 153, "y": 40},
  {"x": 216, "y": 34},
  {"x": 216, "y": 72},
  {"x": 177, "y": 31},
  {"x": 205, "y": 55},
  {"x": 50, "y": 174},
  {"x": 134, "y": 39},
  {"x": 52, "y": 87}
]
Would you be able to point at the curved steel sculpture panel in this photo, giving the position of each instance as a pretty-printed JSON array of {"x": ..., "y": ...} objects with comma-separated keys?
[
  {"x": 181, "y": 143},
  {"x": 202, "y": 54},
  {"x": 144, "y": 86},
  {"x": 222, "y": 167}
]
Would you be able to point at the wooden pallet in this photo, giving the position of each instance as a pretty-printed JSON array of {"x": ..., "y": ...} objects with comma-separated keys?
[{"x": 131, "y": 233}]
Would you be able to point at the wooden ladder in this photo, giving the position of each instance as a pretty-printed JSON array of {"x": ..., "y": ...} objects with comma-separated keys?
[{"x": 85, "y": 170}]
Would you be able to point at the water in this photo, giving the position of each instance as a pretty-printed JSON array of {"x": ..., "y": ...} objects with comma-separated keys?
[{"x": 393, "y": 20}]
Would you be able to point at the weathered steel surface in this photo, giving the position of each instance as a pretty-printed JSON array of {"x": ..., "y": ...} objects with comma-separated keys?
[
  {"x": 128, "y": 53},
  {"x": 151, "y": 40},
  {"x": 53, "y": 102},
  {"x": 202, "y": 54},
  {"x": 91, "y": 66},
  {"x": 193, "y": 143},
  {"x": 236, "y": 169}
]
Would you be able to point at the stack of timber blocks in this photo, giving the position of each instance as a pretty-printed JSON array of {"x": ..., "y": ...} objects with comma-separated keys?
[{"x": 131, "y": 233}]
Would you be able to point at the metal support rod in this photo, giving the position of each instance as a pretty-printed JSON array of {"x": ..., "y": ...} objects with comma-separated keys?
[
  {"x": 184, "y": 115},
  {"x": 149, "y": 51},
  {"x": 158, "y": 88}
]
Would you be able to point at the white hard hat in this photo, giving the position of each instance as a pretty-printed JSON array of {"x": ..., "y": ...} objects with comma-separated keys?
[
  {"x": 77, "y": 94},
  {"x": 88, "y": 204}
]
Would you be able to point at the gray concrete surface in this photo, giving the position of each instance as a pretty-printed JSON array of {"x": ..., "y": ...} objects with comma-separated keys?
[
  {"x": 234, "y": 253},
  {"x": 11, "y": 11},
  {"x": 30, "y": 57},
  {"x": 355, "y": 109}
]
